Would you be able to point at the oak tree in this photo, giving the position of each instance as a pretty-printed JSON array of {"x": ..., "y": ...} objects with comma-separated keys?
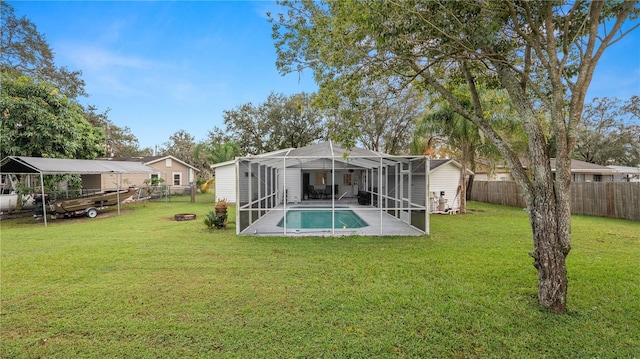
[
  {"x": 280, "y": 122},
  {"x": 542, "y": 53},
  {"x": 384, "y": 114},
  {"x": 38, "y": 121},
  {"x": 24, "y": 51},
  {"x": 609, "y": 133},
  {"x": 180, "y": 145}
]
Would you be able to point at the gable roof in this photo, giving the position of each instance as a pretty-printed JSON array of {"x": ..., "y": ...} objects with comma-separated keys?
[
  {"x": 222, "y": 164},
  {"x": 147, "y": 160},
  {"x": 435, "y": 165}
]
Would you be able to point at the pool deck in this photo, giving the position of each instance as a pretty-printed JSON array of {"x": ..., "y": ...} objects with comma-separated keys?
[{"x": 380, "y": 223}]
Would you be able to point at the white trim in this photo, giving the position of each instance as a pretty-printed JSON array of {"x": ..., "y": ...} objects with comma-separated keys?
[
  {"x": 173, "y": 159},
  {"x": 173, "y": 178}
]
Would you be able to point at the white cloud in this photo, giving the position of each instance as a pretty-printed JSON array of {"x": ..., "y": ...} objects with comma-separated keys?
[{"x": 96, "y": 58}]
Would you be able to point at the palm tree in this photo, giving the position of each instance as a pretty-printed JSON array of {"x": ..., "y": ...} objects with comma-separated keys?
[
  {"x": 459, "y": 134},
  {"x": 216, "y": 153},
  {"x": 465, "y": 141}
]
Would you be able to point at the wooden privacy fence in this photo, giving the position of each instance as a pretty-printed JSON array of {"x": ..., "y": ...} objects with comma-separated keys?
[{"x": 603, "y": 199}]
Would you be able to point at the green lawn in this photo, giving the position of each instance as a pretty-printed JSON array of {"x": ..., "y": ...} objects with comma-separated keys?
[{"x": 142, "y": 285}]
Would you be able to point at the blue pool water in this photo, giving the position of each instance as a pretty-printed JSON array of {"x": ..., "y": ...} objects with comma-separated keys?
[{"x": 298, "y": 219}]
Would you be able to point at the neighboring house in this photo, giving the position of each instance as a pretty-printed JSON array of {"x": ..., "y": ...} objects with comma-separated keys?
[
  {"x": 225, "y": 176},
  {"x": 488, "y": 172},
  {"x": 626, "y": 174},
  {"x": 176, "y": 174},
  {"x": 580, "y": 172}
]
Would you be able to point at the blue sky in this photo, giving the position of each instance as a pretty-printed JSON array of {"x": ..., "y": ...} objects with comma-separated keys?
[{"x": 165, "y": 66}]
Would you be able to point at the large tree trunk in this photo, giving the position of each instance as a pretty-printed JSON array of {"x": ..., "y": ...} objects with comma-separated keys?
[
  {"x": 469, "y": 186},
  {"x": 547, "y": 198},
  {"x": 461, "y": 191},
  {"x": 549, "y": 255}
]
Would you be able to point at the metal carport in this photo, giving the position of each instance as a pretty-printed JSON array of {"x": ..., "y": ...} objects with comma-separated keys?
[{"x": 58, "y": 166}]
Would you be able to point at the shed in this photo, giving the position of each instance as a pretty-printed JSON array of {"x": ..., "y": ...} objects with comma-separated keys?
[
  {"x": 225, "y": 185},
  {"x": 444, "y": 182}
]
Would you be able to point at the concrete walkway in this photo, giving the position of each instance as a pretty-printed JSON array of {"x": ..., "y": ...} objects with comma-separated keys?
[{"x": 379, "y": 223}]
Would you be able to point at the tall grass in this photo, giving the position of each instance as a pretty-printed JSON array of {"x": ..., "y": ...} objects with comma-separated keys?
[{"x": 142, "y": 285}]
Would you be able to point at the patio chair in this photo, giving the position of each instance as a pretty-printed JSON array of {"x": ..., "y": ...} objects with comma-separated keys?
[{"x": 313, "y": 193}]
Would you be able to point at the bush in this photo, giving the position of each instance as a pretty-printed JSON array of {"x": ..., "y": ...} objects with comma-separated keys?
[{"x": 217, "y": 220}]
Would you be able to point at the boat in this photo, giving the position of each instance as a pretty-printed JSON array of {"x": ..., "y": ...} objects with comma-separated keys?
[
  {"x": 9, "y": 196},
  {"x": 9, "y": 201},
  {"x": 89, "y": 204}
]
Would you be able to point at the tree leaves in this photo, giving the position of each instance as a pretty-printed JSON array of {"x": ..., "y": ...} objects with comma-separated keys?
[
  {"x": 24, "y": 51},
  {"x": 39, "y": 121},
  {"x": 608, "y": 133},
  {"x": 280, "y": 122}
]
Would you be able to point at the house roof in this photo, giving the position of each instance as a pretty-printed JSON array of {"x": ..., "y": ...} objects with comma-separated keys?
[
  {"x": 585, "y": 167},
  {"x": 151, "y": 159},
  {"x": 626, "y": 169},
  {"x": 19, "y": 164},
  {"x": 222, "y": 164},
  {"x": 577, "y": 166},
  {"x": 434, "y": 165},
  {"x": 356, "y": 157}
]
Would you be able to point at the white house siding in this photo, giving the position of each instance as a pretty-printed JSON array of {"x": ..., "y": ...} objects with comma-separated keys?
[
  {"x": 418, "y": 189},
  {"x": 293, "y": 183},
  {"x": 345, "y": 189},
  {"x": 251, "y": 192},
  {"x": 226, "y": 182},
  {"x": 445, "y": 178}
]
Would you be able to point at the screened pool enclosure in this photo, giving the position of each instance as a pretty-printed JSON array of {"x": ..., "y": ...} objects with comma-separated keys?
[{"x": 308, "y": 191}]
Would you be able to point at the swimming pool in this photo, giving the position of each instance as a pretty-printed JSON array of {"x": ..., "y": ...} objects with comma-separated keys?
[{"x": 299, "y": 219}]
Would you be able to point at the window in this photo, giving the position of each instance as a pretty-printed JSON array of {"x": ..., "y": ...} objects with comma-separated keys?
[
  {"x": 177, "y": 179},
  {"x": 167, "y": 162},
  {"x": 347, "y": 179},
  {"x": 155, "y": 179},
  {"x": 597, "y": 178}
]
